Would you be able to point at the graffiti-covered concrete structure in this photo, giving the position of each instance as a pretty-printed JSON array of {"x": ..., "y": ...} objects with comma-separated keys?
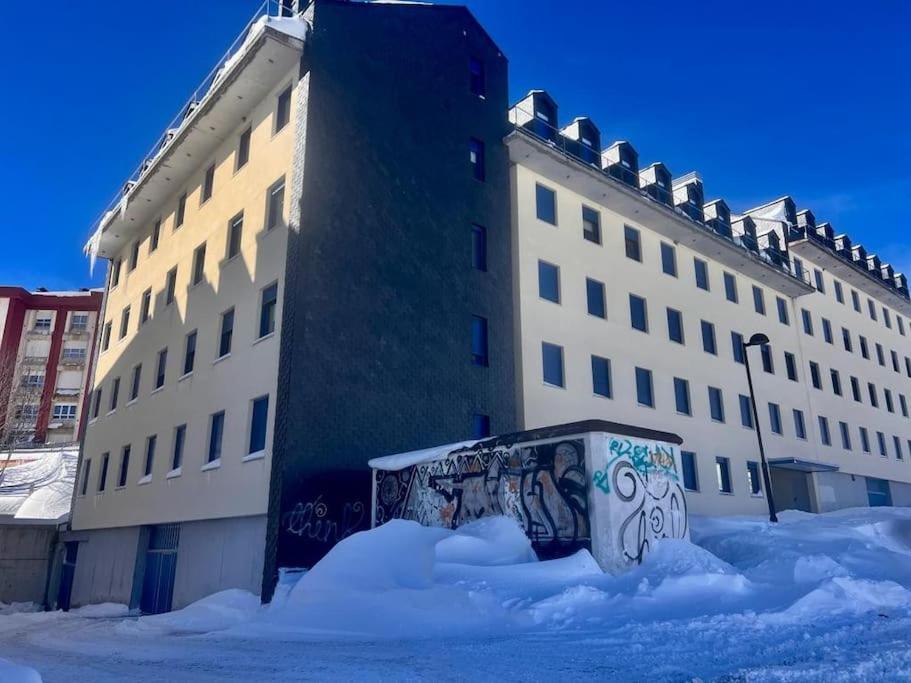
[{"x": 610, "y": 488}]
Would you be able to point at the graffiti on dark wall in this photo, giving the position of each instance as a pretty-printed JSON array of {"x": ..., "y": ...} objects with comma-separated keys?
[{"x": 543, "y": 487}]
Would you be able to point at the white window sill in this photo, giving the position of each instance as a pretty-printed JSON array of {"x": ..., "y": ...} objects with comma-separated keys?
[
  {"x": 256, "y": 455},
  {"x": 110, "y": 412},
  {"x": 120, "y": 488},
  {"x": 185, "y": 376},
  {"x": 132, "y": 401},
  {"x": 147, "y": 479},
  {"x": 229, "y": 259},
  {"x": 156, "y": 390},
  {"x": 214, "y": 465},
  {"x": 726, "y": 493},
  {"x": 263, "y": 338},
  {"x": 174, "y": 473},
  {"x": 221, "y": 358},
  {"x": 93, "y": 420}
]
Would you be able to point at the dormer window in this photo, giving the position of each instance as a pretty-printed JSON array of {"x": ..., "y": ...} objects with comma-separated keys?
[{"x": 543, "y": 116}]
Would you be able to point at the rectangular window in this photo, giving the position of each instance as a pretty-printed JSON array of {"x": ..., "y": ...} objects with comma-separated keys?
[
  {"x": 137, "y": 380},
  {"x": 161, "y": 368},
  {"x": 881, "y": 440},
  {"x": 887, "y": 319},
  {"x": 115, "y": 391},
  {"x": 235, "y": 235},
  {"x": 150, "y": 455},
  {"x": 79, "y": 322},
  {"x": 134, "y": 256},
  {"x": 898, "y": 447},
  {"x": 180, "y": 435},
  {"x": 258, "y": 422},
  {"x": 908, "y": 366},
  {"x": 864, "y": 440},
  {"x": 552, "y": 359},
  {"x": 845, "y": 435},
  {"x": 746, "y": 412},
  {"x": 476, "y": 158},
  {"x": 800, "y": 427},
  {"x": 546, "y": 204},
  {"x": 199, "y": 263},
  {"x": 716, "y": 404},
  {"x": 64, "y": 411},
  {"x": 668, "y": 259},
  {"x": 758, "y": 300},
  {"x": 275, "y": 205},
  {"x": 477, "y": 81},
  {"x": 682, "y": 396},
  {"x": 283, "y": 109},
  {"x": 903, "y": 404},
  {"x": 226, "y": 334},
  {"x": 807, "y": 322},
  {"x": 216, "y": 432},
  {"x": 145, "y": 306},
  {"x": 836, "y": 381},
  {"x": 753, "y": 480},
  {"x": 594, "y": 292},
  {"x": 690, "y": 473},
  {"x": 632, "y": 243},
  {"x": 591, "y": 225},
  {"x": 124, "y": 322},
  {"x": 479, "y": 341},
  {"x": 181, "y": 212},
  {"x": 874, "y": 399},
  {"x": 820, "y": 285},
  {"x": 723, "y": 474},
  {"x": 871, "y": 307},
  {"x": 855, "y": 300},
  {"x": 479, "y": 248},
  {"x": 480, "y": 426},
  {"x": 846, "y": 339},
  {"x": 103, "y": 474},
  {"x": 855, "y": 389},
  {"x": 86, "y": 472},
  {"x": 737, "y": 349},
  {"x": 827, "y": 331},
  {"x": 549, "y": 281},
  {"x": 644, "y": 394},
  {"x": 675, "y": 325},
  {"x": 638, "y": 313},
  {"x": 839, "y": 292},
  {"x": 208, "y": 185},
  {"x": 824, "y": 435},
  {"x": 170, "y": 286},
  {"x": 782, "y": 305},
  {"x": 901, "y": 325},
  {"x": 887, "y": 393},
  {"x": 267, "y": 310},
  {"x": 708, "y": 337},
  {"x": 775, "y": 418},
  {"x": 243, "y": 149},
  {"x": 701, "y": 270},
  {"x": 880, "y": 356},
  {"x": 765, "y": 352},
  {"x": 894, "y": 360},
  {"x": 115, "y": 273},
  {"x": 864, "y": 349},
  {"x": 790, "y": 364},
  {"x": 189, "y": 356},
  {"x": 96, "y": 405},
  {"x": 124, "y": 467},
  {"x": 730, "y": 287},
  {"x": 601, "y": 377}
]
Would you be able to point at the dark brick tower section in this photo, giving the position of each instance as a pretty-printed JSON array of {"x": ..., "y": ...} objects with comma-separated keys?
[{"x": 380, "y": 289}]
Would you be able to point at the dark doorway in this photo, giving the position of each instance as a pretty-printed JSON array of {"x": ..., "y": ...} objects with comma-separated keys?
[
  {"x": 65, "y": 591},
  {"x": 160, "y": 567}
]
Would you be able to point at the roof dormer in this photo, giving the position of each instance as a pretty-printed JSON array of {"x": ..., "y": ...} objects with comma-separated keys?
[
  {"x": 656, "y": 181},
  {"x": 718, "y": 216},
  {"x": 536, "y": 113},
  {"x": 827, "y": 232},
  {"x": 859, "y": 255},
  {"x": 901, "y": 282},
  {"x": 583, "y": 140},
  {"x": 843, "y": 245},
  {"x": 621, "y": 161},
  {"x": 689, "y": 195},
  {"x": 887, "y": 272},
  {"x": 873, "y": 264},
  {"x": 806, "y": 219}
]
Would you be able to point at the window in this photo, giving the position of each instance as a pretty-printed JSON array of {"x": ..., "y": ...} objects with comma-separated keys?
[
  {"x": 855, "y": 389},
  {"x": 267, "y": 310},
  {"x": 765, "y": 351},
  {"x": 477, "y": 82},
  {"x": 96, "y": 405},
  {"x": 846, "y": 339},
  {"x": 546, "y": 204},
  {"x": 189, "y": 356},
  {"x": 601, "y": 377},
  {"x": 154, "y": 237},
  {"x": 824, "y": 435},
  {"x": 638, "y": 313},
  {"x": 871, "y": 307},
  {"x": 758, "y": 300},
  {"x": 552, "y": 359},
  {"x": 258, "y": 421},
  {"x": 894, "y": 360},
  {"x": 480, "y": 426},
  {"x": 216, "y": 432},
  {"x": 800, "y": 427},
  {"x": 690, "y": 473},
  {"x": 476, "y": 158},
  {"x": 124, "y": 322},
  {"x": 479, "y": 248},
  {"x": 836, "y": 381},
  {"x": 549, "y": 281},
  {"x": 871, "y": 389},
  {"x": 723, "y": 474},
  {"x": 864, "y": 349},
  {"x": 746, "y": 411},
  {"x": 701, "y": 269},
  {"x": 864, "y": 440},
  {"x": 845, "y": 435},
  {"x": 737, "y": 349},
  {"x": 137, "y": 380},
  {"x": 782, "y": 305},
  {"x": 887, "y": 393},
  {"x": 591, "y": 225},
  {"x": 668, "y": 259},
  {"x": 283, "y": 109},
  {"x": 115, "y": 273},
  {"x": 243, "y": 149},
  {"x": 74, "y": 353},
  {"x": 814, "y": 375},
  {"x": 708, "y": 337},
  {"x": 881, "y": 440},
  {"x": 807, "y": 322},
  {"x": 145, "y": 306},
  {"x": 208, "y": 185},
  {"x": 235, "y": 235},
  {"x": 64, "y": 411},
  {"x": 887, "y": 319},
  {"x": 820, "y": 285},
  {"x": 103, "y": 474},
  {"x": 798, "y": 268},
  {"x": 632, "y": 243},
  {"x": 880, "y": 357},
  {"x": 716, "y": 404},
  {"x": 170, "y": 286},
  {"x": 86, "y": 470},
  {"x": 908, "y": 366},
  {"x": 839, "y": 292},
  {"x": 150, "y": 455},
  {"x": 275, "y": 206},
  {"x": 790, "y": 364},
  {"x": 903, "y": 404},
  {"x": 479, "y": 341},
  {"x": 898, "y": 447},
  {"x": 775, "y": 418},
  {"x": 644, "y": 394},
  {"x": 180, "y": 435},
  {"x": 855, "y": 300},
  {"x": 753, "y": 480},
  {"x": 199, "y": 263},
  {"x": 134, "y": 256},
  {"x": 43, "y": 322},
  {"x": 227, "y": 332},
  {"x": 124, "y": 467},
  {"x": 79, "y": 322},
  {"x": 181, "y": 212},
  {"x": 32, "y": 381},
  {"x": 827, "y": 331},
  {"x": 901, "y": 325},
  {"x": 682, "y": 396},
  {"x": 675, "y": 325},
  {"x": 594, "y": 292},
  {"x": 730, "y": 288},
  {"x": 161, "y": 368},
  {"x": 115, "y": 391}
]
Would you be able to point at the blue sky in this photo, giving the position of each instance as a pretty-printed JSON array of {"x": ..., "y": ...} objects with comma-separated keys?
[{"x": 811, "y": 99}]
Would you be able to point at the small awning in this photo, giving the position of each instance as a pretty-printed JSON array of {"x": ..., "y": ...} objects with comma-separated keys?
[{"x": 801, "y": 465}]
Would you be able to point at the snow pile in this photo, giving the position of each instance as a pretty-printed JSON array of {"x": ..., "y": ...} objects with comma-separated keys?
[
  {"x": 15, "y": 673},
  {"x": 40, "y": 488}
]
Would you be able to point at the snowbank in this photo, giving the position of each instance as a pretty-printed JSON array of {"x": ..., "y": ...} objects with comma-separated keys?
[{"x": 14, "y": 673}]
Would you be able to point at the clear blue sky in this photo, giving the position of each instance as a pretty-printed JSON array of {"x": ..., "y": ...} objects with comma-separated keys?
[{"x": 811, "y": 99}]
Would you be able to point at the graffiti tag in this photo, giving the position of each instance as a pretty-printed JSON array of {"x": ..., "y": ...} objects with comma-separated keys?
[{"x": 312, "y": 520}]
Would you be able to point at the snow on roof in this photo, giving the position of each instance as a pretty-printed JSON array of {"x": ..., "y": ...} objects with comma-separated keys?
[
  {"x": 400, "y": 461},
  {"x": 40, "y": 488}
]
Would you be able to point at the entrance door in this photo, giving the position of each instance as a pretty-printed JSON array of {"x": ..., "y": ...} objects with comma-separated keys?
[
  {"x": 791, "y": 489},
  {"x": 68, "y": 571},
  {"x": 878, "y": 493},
  {"x": 161, "y": 563}
]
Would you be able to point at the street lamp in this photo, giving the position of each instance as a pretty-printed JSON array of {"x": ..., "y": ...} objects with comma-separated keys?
[{"x": 759, "y": 339}]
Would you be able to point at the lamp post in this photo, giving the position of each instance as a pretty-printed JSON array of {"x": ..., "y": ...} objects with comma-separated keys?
[{"x": 759, "y": 339}]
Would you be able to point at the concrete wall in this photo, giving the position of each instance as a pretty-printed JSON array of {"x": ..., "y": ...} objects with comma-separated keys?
[
  {"x": 901, "y": 494},
  {"x": 106, "y": 566},
  {"x": 836, "y": 490},
  {"x": 24, "y": 561}
]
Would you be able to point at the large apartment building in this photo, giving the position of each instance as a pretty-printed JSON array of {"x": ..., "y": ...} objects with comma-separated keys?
[
  {"x": 347, "y": 245},
  {"x": 47, "y": 341}
]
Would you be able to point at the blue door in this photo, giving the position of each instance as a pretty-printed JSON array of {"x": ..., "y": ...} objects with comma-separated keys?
[
  {"x": 161, "y": 564},
  {"x": 878, "y": 493}
]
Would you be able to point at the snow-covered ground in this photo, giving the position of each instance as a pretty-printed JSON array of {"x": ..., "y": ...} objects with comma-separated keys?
[{"x": 814, "y": 598}]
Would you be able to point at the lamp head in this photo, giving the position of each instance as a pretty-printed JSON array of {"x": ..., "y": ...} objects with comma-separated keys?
[{"x": 758, "y": 339}]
